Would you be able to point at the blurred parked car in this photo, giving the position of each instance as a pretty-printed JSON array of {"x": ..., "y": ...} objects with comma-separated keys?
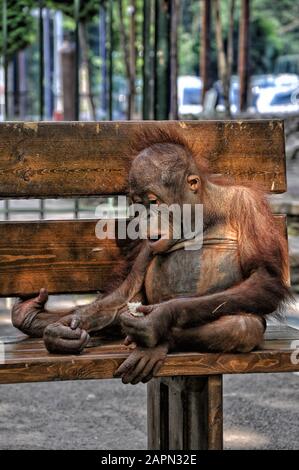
[
  {"x": 257, "y": 84},
  {"x": 189, "y": 96},
  {"x": 282, "y": 98},
  {"x": 267, "y": 94}
]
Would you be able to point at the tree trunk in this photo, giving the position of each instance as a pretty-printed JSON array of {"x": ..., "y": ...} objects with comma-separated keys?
[
  {"x": 221, "y": 58},
  {"x": 68, "y": 67},
  {"x": 146, "y": 69},
  {"x": 205, "y": 47},
  {"x": 243, "y": 65},
  {"x": 174, "y": 23},
  {"x": 127, "y": 54},
  {"x": 87, "y": 66},
  {"x": 161, "y": 68}
]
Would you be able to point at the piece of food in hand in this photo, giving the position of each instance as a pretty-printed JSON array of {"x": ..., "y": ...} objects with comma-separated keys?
[{"x": 132, "y": 307}]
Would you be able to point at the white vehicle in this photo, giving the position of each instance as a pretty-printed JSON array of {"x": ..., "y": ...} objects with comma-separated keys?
[
  {"x": 282, "y": 98},
  {"x": 189, "y": 96}
]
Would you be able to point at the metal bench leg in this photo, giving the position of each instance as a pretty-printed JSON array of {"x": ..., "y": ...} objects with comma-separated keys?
[{"x": 185, "y": 413}]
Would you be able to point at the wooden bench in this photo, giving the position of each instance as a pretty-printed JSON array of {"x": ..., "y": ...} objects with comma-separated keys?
[{"x": 49, "y": 160}]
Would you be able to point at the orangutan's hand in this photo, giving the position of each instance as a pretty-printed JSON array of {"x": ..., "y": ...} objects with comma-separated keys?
[
  {"x": 150, "y": 330},
  {"x": 142, "y": 364},
  {"x": 66, "y": 336},
  {"x": 24, "y": 312}
]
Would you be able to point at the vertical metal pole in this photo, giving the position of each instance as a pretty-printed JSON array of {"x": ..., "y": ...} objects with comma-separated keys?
[
  {"x": 77, "y": 61},
  {"x": 41, "y": 209},
  {"x": 110, "y": 71},
  {"x": 58, "y": 40},
  {"x": 41, "y": 60},
  {"x": 6, "y": 209},
  {"x": 146, "y": 69},
  {"x": 76, "y": 209},
  {"x": 15, "y": 87},
  {"x": 48, "y": 66},
  {"x": 103, "y": 55},
  {"x": 22, "y": 83},
  {"x": 174, "y": 23},
  {"x": 4, "y": 52}
]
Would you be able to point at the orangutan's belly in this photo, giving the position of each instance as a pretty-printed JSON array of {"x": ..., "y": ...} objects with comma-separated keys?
[{"x": 189, "y": 272}]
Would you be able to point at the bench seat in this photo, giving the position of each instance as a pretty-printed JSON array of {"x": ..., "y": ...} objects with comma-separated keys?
[{"x": 28, "y": 360}]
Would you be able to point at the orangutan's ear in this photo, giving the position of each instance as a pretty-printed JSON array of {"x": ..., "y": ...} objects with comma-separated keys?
[{"x": 194, "y": 183}]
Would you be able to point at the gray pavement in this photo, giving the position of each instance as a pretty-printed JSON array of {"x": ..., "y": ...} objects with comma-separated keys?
[{"x": 260, "y": 412}]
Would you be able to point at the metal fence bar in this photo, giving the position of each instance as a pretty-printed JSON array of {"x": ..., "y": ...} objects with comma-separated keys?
[
  {"x": 6, "y": 209},
  {"x": 41, "y": 60}
]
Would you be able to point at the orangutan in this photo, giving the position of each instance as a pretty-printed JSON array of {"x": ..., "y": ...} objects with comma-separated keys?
[{"x": 213, "y": 298}]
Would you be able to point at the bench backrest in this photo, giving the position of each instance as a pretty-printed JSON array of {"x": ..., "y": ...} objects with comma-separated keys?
[{"x": 50, "y": 160}]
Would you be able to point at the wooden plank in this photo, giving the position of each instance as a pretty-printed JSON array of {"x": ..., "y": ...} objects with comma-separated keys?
[
  {"x": 157, "y": 415},
  {"x": 185, "y": 413},
  {"x": 63, "y": 256},
  {"x": 87, "y": 366},
  {"x": 35, "y": 364},
  {"x": 50, "y": 159}
]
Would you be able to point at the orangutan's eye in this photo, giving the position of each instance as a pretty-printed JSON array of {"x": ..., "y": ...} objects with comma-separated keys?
[{"x": 152, "y": 199}]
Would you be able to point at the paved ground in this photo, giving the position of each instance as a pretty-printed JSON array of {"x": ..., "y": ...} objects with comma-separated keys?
[{"x": 261, "y": 412}]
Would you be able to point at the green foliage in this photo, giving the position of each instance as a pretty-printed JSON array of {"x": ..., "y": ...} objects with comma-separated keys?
[
  {"x": 20, "y": 25},
  {"x": 274, "y": 29},
  {"x": 267, "y": 37},
  {"x": 266, "y": 44},
  {"x": 88, "y": 8},
  {"x": 284, "y": 16}
]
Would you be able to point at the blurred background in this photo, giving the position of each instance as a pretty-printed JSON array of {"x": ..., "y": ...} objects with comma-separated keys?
[{"x": 148, "y": 59}]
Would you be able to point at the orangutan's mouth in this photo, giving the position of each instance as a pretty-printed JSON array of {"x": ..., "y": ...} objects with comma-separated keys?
[{"x": 155, "y": 237}]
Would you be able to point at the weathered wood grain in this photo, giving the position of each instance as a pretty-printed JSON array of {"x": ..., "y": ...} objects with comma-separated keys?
[
  {"x": 34, "y": 364},
  {"x": 81, "y": 159},
  {"x": 64, "y": 256},
  {"x": 185, "y": 413}
]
